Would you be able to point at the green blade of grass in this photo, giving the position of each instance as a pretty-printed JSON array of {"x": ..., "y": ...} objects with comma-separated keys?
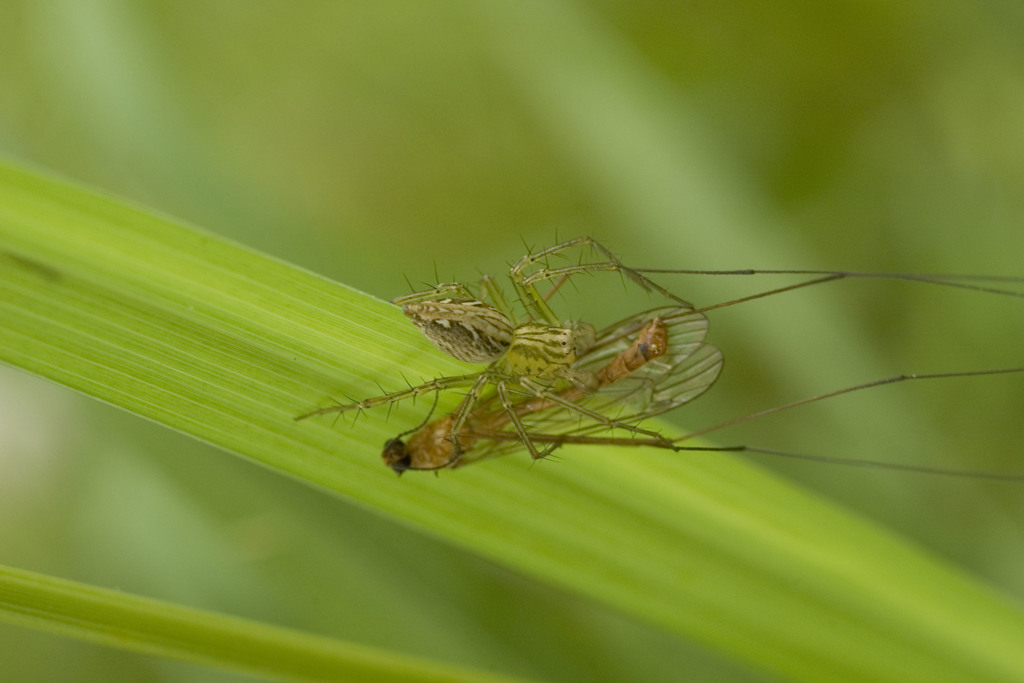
[
  {"x": 159, "y": 628},
  {"x": 228, "y": 345}
]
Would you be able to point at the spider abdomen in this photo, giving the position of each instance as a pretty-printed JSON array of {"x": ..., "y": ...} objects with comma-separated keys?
[{"x": 468, "y": 330}]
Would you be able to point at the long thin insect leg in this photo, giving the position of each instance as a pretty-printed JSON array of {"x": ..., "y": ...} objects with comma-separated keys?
[
  {"x": 770, "y": 292},
  {"x": 561, "y": 440},
  {"x": 859, "y": 387},
  {"x": 958, "y": 280},
  {"x": 857, "y": 462}
]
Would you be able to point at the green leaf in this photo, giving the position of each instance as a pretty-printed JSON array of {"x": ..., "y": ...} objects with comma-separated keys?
[
  {"x": 159, "y": 628},
  {"x": 228, "y": 345}
]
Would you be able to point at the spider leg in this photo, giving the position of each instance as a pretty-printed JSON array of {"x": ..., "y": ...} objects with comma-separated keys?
[
  {"x": 445, "y": 290},
  {"x": 439, "y": 384},
  {"x": 517, "y": 423},
  {"x": 466, "y": 407},
  {"x": 525, "y": 276}
]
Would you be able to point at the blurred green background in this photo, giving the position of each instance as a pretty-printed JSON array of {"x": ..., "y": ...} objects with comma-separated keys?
[{"x": 372, "y": 141}]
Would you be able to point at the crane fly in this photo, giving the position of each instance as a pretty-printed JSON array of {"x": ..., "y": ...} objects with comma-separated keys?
[{"x": 550, "y": 383}]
